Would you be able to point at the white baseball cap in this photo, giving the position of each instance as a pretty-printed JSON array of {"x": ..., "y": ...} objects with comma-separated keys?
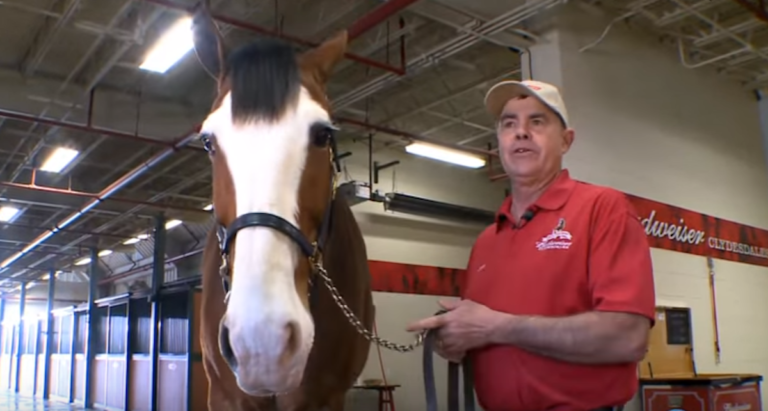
[{"x": 498, "y": 96}]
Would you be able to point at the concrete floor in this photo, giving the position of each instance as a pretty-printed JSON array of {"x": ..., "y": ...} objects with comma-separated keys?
[{"x": 11, "y": 402}]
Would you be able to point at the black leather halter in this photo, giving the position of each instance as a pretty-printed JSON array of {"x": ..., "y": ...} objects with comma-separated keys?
[
  {"x": 453, "y": 378},
  {"x": 310, "y": 249}
]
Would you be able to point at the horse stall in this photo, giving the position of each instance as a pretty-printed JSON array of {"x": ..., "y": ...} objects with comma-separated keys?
[
  {"x": 122, "y": 371},
  {"x": 63, "y": 354},
  {"x": 110, "y": 358}
]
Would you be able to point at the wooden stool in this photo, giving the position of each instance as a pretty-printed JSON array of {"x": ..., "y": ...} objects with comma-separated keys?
[{"x": 386, "y": 394}]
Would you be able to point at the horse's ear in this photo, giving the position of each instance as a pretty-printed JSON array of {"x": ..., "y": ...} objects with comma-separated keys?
[
  {"x": 324, "y": 57},
  {"x": 209, "y": 43}
]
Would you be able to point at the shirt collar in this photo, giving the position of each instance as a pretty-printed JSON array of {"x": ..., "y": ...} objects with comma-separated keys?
[{"x": 553, "y": 198}]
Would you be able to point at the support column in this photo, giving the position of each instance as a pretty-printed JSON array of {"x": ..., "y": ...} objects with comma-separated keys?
[
  {"x": 158, "y": 274},
  {"x": 20, "y": 336},
  {"x": 48, "y": 335},
  {"x": 93, "y": 324}
]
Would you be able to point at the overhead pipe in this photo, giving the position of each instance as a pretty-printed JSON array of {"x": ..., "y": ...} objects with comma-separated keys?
[
  {"x": 14, "y": 115},
  {"x": 757, "y": 10},
  {"x": 376, "y": 16},
  {"x": 447, "y": 49},
  {"x": 169, "y": 4},
  {"x": 104, "y": 194},
  {"x": 53, "y": 190}
]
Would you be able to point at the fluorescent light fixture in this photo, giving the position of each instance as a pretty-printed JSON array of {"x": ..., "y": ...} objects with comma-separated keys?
[
  {"x": 130, "y": 241},
  {"x": 170, "y": 48},
  {"x": 142, "y": 236},
  {"x": 104, "y": 253},
  {"x": 172, "y": 223},
  {"x": 446, "y": 154},
  {"x": 60, "y": 158},
  {"x": 209, "y": 207},
  {"x": 7, "y": 213},
  {"x": 83, "y": 261}
]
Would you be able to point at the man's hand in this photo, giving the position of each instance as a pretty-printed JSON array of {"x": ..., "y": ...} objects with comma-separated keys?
[{"x": 467, "y": 325}]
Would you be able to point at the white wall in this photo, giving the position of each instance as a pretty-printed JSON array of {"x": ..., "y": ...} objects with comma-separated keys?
[
  {"x": 412, "y": 240},
  {"x": 650, "y": 127}
]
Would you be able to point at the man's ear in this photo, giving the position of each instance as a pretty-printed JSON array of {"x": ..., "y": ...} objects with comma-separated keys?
[
  {"x": 321, "y": 59},
  {"x": 568, "y": 136},
  {"x": 209, "y": 43}
]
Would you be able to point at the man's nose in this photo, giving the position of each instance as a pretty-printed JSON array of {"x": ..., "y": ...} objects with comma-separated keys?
[{"x": 522, "y": 135}]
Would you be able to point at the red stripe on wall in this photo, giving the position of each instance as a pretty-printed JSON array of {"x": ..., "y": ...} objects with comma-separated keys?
[{"x": 391, "y": 277}]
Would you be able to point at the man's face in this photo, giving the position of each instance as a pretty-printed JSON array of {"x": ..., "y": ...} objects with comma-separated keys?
[{"x": 532, "y": 139}]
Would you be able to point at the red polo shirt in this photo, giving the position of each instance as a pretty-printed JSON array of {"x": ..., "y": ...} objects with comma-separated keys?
[{"x": 584, "y": 249}]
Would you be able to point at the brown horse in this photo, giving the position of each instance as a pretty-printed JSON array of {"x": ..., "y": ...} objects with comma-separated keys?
[{"x": 269, "y": 331}]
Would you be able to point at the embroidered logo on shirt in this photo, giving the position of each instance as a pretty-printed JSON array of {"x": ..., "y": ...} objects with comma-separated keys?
[{"x": 558, "y": 239}]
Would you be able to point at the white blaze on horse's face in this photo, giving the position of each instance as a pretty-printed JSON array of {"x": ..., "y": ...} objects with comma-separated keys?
[{"x": 270, "y": 331}]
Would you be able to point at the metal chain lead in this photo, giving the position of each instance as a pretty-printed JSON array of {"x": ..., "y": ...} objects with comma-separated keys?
[{"x": 359, "y": 325}]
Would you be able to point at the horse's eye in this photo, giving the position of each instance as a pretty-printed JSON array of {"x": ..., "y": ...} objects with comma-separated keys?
[
  {"x": 321, "y": 135},
  {"x": 207, "y": 139}
]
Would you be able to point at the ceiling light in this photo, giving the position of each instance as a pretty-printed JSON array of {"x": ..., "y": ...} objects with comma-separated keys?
[
  {"x": 104, "y": 253},
  {"x": 172, "y": 223},
  {"x": 448, "y": 155},
  {"x": 7, "y": 213},
  {"x": 60, "y": 158},
  {"x": 131, "y": 241},
  {"x": 209, "y": 207},
  {"x": 142, "y": 236},
  {"x": 83, "y": 261},
  {"x": 170, "y": 48}
]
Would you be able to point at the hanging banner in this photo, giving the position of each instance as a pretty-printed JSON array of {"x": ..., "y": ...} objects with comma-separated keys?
[{"x": 676, "y": 229}]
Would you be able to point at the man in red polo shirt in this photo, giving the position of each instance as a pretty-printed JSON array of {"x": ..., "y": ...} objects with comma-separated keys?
[{"x": 559, "y": 298}]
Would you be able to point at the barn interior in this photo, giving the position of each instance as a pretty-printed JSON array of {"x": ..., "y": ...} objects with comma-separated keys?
[{"x": 105, "y": 189}]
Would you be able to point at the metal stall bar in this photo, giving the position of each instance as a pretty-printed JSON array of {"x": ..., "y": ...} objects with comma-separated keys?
[
  {"x": 128, "y": 335},
  {"x": 48, "y": 335},
  {"x": 20, "y": 336},
  {"x": 93, "y": 326},
  {"x": 74, "y": 325},
  {"x": 158, "y": 272},
  {"x": 38, "y": 332}
]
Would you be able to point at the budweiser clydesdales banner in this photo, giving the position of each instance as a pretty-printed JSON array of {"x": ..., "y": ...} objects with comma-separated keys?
[
  {"x": 676, "y": 229},
  {"x": 667, "y": 227}
]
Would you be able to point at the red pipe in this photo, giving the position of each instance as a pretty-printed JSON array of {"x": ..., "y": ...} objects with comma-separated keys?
[
  {"x": 272, "y": 33},
  {"x": 86, "y": 128},
  {"x": 757, "y": 10},
  {"x": 378, "y": 15},
  {"x": 54, "y": 190},
  {"x": 111, "y": 279}
]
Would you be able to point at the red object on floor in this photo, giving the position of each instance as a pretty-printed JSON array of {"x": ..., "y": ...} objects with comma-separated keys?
[
  {"x": 386, "y": 394},
  {"x": 386, "y": 398}
]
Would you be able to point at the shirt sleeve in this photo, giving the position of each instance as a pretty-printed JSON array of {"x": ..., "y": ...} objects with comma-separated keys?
[{"x": 620, "y": 267}]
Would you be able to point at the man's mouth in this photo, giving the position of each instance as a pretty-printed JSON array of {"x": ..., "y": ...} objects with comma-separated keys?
[{"x": 521, "y": 151}]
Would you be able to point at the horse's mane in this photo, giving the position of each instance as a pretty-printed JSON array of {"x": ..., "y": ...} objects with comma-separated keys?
[
  {"x": 346, "y": 250},
  {"x": 264, "y": 80}
]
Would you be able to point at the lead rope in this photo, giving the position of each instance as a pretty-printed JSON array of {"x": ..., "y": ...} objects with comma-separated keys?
[{"x": 453, "y": 377}]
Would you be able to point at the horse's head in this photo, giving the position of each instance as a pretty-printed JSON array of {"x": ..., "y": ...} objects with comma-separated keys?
[{"x": 272, "y": 148}]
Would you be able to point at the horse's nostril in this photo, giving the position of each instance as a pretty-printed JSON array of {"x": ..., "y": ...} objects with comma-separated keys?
[{"x": 225, "y": 348}]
